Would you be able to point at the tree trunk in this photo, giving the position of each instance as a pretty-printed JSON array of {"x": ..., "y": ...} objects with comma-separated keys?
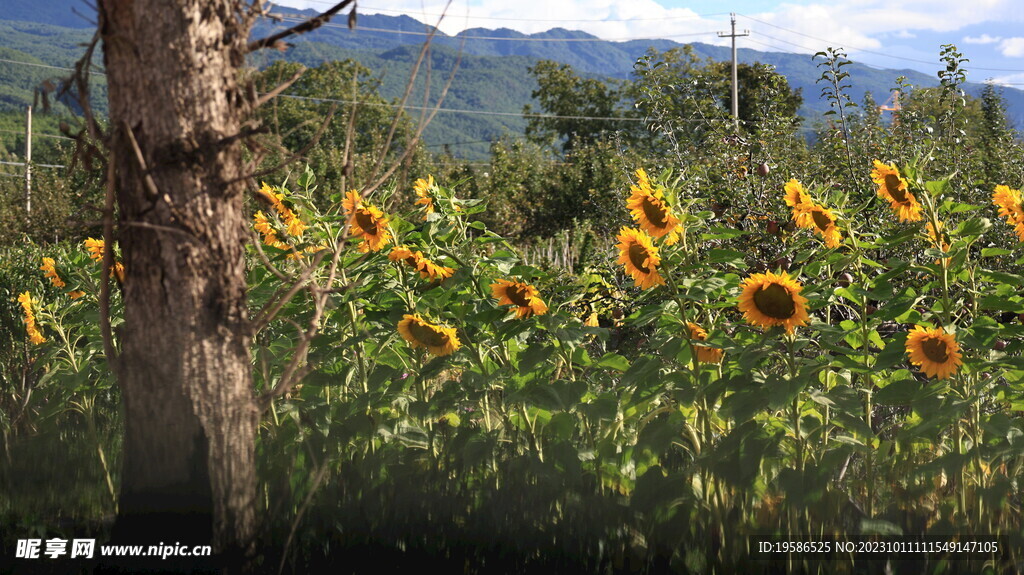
[{"x": 184, "y": 370}]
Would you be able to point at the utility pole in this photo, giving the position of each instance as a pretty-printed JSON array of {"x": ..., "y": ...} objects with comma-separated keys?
[
  {"x": 735, "y": 76},
  {"x": 28, "y": 160}
]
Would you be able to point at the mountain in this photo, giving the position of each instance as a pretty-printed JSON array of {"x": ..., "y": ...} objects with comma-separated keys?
[{"x": 489, "y": 90}]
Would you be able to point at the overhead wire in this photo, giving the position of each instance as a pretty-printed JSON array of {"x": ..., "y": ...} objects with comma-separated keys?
[{"x": 863, "y": 50}]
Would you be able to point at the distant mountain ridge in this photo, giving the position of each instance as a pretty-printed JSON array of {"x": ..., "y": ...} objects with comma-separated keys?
[
  {"x": 492, "y": 79},
  {"x": 615, "y": 59}
]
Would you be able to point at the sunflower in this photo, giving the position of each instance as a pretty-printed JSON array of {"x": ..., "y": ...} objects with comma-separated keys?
[
  {"x": 647, "y": 207},
  {"x": 704, "y": 354},
  {"x": 95, "y": 248},
  {"x": 433, "y": 271},
  {"x": 34, "y": 335},
  {"x": 76, "y": 294},
  {"x": 640, "y": 257},
  {"x": 1010, "y": 206},
  {"x": 366, "y": 222},
  {"x": 438, "y": 339},
  {"x": 768, "y": 300},
  {"x": 50, "y": 271},
  {"x": 797, "y": 198},
  {"x": 936, "y": 352},
  {"x": 823, "y": 222},
  {"x": 416, "y": 260},
  {"x": 293, "y": 224},
  {"x": 266, "y": 193},
  {"x": 118, "y": 272},
  {"x": 404, "y": 254},
  {"x": 262, "y": 225},
  {"x": 894, "y": 188},
  {"x": 523, "y": 296},
  {"x": 423, "y": 188}
]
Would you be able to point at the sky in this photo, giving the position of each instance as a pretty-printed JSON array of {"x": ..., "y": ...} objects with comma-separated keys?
[{"x": 895, "y": 34}]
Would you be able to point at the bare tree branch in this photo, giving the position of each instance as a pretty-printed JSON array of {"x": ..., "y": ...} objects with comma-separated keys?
[
  {"x": 307, "y": 26},
  {"x": 300, "y": 153},
  {"x": 280, "y": 88}
]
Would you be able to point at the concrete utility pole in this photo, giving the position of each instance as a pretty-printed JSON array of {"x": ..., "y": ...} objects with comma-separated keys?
[
  {"x": 735, "y": 77},
  {"x": 28, "y": 160}
]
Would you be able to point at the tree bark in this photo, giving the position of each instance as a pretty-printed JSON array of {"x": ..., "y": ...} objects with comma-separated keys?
[{"x": 176, "y": 113}]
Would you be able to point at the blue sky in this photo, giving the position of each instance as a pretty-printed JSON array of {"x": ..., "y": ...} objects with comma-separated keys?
[{"x": 895, "y": 34}]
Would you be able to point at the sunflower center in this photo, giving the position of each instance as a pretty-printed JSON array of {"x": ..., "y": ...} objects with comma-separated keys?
[
  {"x": 821, "y": 220},
  {"x": 411, "y": 260},
  {"x": 935, "y": 349},
  {"x": 655, "y": 212},
  {"x": 775, "y": 302},
  {"x": 366, "y": 222},
  {"x": 892, "y": 185},
  {"x": 518, "y": 295},
  {"x": 428, "y": 335},
  {"x": 638, "y": 256}
]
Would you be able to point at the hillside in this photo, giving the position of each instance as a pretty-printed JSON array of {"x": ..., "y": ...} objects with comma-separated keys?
[{"x": 490, "y": 88}]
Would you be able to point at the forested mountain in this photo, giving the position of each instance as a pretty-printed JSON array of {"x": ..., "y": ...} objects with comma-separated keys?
[{"x": 489, "y": 91}]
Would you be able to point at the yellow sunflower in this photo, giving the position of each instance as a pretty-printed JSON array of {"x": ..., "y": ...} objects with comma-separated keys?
[
  {"x": 823, "y": 222},
  {"x": 76, "y": 294},
  {"x": 768, "y": 300},
  {"x": 34, "y": 335},
  {"x": 647, "y": 207},
  {"x": 640, "y": 258},
  {"x": 95, "y": 248},
  {"x": 423, "y": 188},
  {"x": 438, "y": 339},
  {"x": 522, "y": 295},
  {"x": 118, "y": 272},
  {"x": 262, "y": 225},
  {"x": 892, "y": 187},
  {"x": 366, "y": 222},
  {"x": 797, "y": 198},
  {"x": 428, "y": 269},
  {"x": 404, "y": 254},
  {"x": 1010, "y": 206},
  {"x": 704, "y": 354},
  {"x": 50, "y": 271},
  {"x": 266, "y": 193},
  {"x": 933, "y": 350}
]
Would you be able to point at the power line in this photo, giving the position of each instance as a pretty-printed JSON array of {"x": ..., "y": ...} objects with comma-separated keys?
[
  {"x": 457, "y": 110},
  {"x": 865, "y": 51},
  {"x": 46, "y": 66},
  {"x": 33, "y": 165},
  {"x": 37, "y": 135}
]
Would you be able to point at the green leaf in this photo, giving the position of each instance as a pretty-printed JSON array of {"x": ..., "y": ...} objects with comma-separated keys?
[
  {"x": 613, "y": 361},
  {"x": 993, "y": 252},
  {"x": 534, "y": 355}
]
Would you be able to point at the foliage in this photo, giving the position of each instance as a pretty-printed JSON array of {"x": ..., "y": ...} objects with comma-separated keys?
[{"x": 812, "y": 364}]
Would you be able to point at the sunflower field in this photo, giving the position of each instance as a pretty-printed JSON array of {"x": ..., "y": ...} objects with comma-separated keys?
[{"x": 744, "y": 367}]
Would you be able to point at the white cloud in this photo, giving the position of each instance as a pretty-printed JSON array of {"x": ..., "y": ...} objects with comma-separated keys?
[
  {"x": 1012, "y": 47},
  {"x": 1010, "y": 80},
  {"x": 983, "y": 39},
  {"x": 905, "y": 35}
]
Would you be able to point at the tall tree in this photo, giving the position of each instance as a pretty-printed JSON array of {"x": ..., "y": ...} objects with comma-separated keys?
[
  {"x": 177, "y": 122},
  {"x": 581, "y": 107}
]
